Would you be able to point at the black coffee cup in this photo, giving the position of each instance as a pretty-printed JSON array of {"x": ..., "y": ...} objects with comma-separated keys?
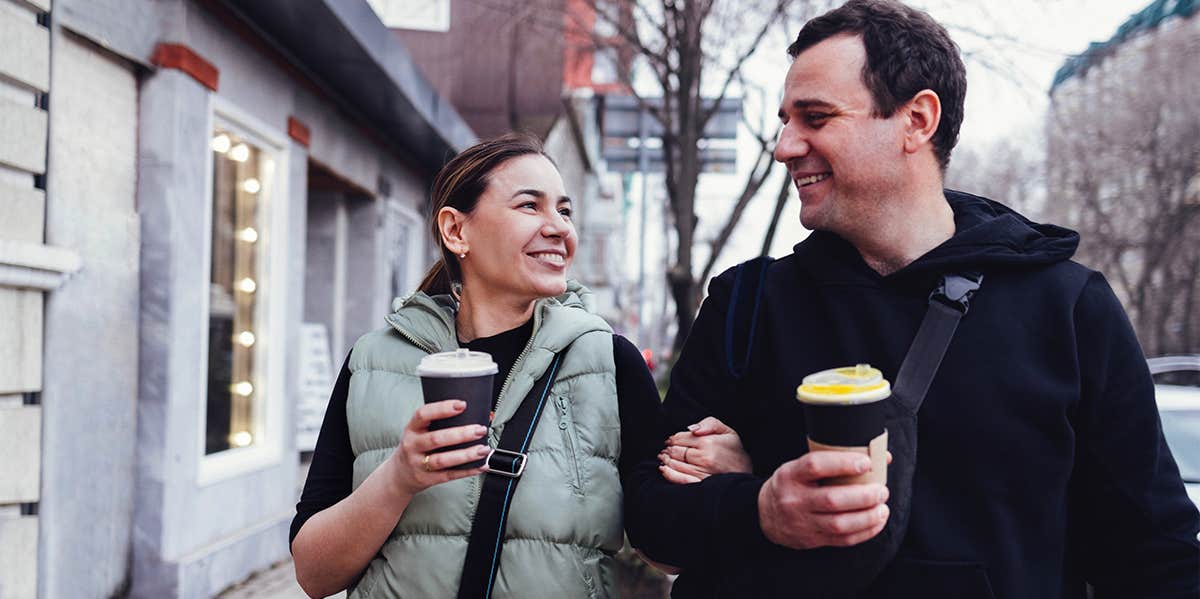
[
  {"x": 464, "y": 375},
  {"x": 845, "y": 410}
]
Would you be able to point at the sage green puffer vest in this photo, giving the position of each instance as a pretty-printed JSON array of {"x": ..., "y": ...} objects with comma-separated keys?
[{"x": 564, "y": 526}]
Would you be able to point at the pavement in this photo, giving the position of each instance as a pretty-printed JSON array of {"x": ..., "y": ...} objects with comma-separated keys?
[{"x": 279, "y": 582}]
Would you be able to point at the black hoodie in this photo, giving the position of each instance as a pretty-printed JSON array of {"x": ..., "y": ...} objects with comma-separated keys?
[{"x": 1041, "y": 465}]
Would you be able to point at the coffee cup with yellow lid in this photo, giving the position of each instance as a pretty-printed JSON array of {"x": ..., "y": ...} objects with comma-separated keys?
[{"x": 845, "y": 410}]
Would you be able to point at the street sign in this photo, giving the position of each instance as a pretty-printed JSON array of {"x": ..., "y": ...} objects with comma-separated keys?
[
  {"x": 633, "y": 136},
  {"x": 621, "y": 117},
  {"x": 625, "y": 160}
]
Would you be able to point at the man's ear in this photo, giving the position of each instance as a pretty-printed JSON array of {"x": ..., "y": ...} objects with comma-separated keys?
[
  {"x": 922, "y": 115},
  {"x": 451, "y": 223}
]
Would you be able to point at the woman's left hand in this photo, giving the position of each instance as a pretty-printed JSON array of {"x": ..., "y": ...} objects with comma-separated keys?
[{"x": 706, "y": 448}]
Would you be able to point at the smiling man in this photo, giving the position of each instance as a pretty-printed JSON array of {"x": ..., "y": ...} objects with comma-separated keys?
[{"x": 1042, "y": 468}]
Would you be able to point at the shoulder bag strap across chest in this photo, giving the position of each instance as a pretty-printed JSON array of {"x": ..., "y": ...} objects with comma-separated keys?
[{"x": 505, "y": 464}]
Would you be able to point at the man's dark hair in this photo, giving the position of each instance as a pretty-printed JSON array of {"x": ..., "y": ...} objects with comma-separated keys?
[{"x": 907, "y": 51}]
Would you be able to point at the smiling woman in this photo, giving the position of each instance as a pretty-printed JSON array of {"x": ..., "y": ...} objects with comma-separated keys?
[
  {"x": 515, "y": 239},
  {"x": 384, "y": 510}
]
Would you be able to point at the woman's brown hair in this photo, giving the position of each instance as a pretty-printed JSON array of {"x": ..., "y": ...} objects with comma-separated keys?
[{"x": 459, "y": 185}]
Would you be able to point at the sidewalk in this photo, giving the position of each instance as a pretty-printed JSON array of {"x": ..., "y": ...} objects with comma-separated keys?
[{"x": 277, "y": 583}]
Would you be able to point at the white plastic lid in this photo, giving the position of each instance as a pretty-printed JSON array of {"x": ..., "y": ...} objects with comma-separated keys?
[
  {"x": 460, "y": 363},
  {"x": 849, "y": 385}
]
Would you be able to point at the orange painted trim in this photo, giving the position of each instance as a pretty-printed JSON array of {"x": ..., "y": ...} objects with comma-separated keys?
[
  {"x": 299, "y": 131},
  {"x": 182, "y": 58}
]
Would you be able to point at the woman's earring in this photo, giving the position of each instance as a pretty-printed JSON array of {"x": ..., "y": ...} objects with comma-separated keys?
[{"x": 462, "y": 255}]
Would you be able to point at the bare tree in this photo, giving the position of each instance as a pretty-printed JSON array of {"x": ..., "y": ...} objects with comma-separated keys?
[
  {"x": 695, "y": 52},
  {"x": 1004, "y": 170},
  {"x": 1123, "y": 168}
]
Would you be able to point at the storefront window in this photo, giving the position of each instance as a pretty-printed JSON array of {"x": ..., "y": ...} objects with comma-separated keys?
[
  {"x": 404, "y": 250},
  {"x": 241, "y": 179}
]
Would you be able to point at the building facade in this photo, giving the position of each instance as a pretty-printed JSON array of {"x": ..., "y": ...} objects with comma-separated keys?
[
  {"x": 197, "y": 198},
  {"x": 1123, "y": 167}
]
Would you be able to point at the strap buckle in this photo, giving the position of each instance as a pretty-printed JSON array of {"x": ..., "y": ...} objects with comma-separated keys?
[
  {"x": 512, "y": 463},
  {"x": 955, "y": 290}
]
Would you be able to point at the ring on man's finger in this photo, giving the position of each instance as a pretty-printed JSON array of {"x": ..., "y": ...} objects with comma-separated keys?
[
  {"x": 425, "y": 463},
  {"x": 685, "y": 450}
]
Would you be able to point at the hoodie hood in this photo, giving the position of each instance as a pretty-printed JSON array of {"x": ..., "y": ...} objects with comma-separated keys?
[{"x": 987, "y": 234}]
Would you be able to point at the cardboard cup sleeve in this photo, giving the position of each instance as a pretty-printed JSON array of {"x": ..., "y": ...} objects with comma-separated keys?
[{"x": 876, "y": 450}]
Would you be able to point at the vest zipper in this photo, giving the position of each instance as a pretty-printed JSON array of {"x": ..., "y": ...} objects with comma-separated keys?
[
  {"x": 414, "y": 341},
  {"x": 537, "y": 320},
  {"x": 566, "y": 425}
]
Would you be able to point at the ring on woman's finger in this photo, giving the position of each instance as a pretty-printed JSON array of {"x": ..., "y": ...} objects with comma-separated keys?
[
  {"x": 685, "y": 450},
  {"x": 425, "y": 463}
]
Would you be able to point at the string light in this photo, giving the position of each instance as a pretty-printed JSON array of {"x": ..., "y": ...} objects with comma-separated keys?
[
  {"x": 241, "y": 438},
  {"x": 249, "y": 235},
  {"x": 221, "y": 143},
  {"x": 239, "y": 153},
  {"x": 243, "y": 388},
  {"x": 251, "y": 185},
  {"x": 247, "y": 285},
  {"x": 245, "y": 338}
]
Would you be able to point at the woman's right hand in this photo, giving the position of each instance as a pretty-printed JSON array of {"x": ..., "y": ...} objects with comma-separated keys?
[{"x": 416, "y": 468}]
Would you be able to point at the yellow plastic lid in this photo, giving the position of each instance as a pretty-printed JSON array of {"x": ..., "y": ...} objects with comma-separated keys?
[{"x": 847, "y": 385}]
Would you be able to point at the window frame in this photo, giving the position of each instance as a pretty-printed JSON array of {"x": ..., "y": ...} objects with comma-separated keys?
[
  {"x": 399, "y": 213},
  {"x": 271, "y": 308}
]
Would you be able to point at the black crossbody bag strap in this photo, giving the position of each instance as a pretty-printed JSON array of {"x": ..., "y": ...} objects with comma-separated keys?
[
  {"x": 505, "y": 464},
  {"x": 947, "y": 305}
]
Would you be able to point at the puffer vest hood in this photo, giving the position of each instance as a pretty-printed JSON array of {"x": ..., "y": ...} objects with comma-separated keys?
[{"x": 564, "y": 525}]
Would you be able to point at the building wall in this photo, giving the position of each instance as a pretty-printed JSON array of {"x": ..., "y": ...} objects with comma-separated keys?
[
  {"x": 1123, "y": 169},
  {"x": 197, "y": 532},
  {"x": 24, "y": 65},
  {"x": 500, "y": 63},
  {"x": 105, "y": 197},
  {"x": 124, "y": 501},
  {"x": 91, "y": 351}
]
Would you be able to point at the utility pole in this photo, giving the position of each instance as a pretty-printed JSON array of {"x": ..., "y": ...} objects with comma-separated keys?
[{"x": 643, "y": 171}]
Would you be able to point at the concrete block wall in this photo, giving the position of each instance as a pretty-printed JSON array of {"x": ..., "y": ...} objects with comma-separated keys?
[
  {"x": 28, "y": 270},
  {"x": 89, "y": 395}
]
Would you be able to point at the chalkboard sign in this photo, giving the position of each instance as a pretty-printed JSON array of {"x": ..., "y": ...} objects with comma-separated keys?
[{"x": 316, "y": 382}]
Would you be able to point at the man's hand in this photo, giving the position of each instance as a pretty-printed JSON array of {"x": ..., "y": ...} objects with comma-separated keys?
[{"x": 796, "y": 512}]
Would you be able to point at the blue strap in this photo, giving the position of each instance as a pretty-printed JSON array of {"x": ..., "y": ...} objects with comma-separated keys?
[{"x": 741, "y": 318}]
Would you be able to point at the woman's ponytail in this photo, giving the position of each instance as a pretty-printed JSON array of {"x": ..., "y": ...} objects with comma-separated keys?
[{"x": 437, "y": 280}]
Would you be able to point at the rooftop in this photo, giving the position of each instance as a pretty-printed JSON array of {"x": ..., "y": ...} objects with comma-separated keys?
[{"x": 1144, "y": 20}]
